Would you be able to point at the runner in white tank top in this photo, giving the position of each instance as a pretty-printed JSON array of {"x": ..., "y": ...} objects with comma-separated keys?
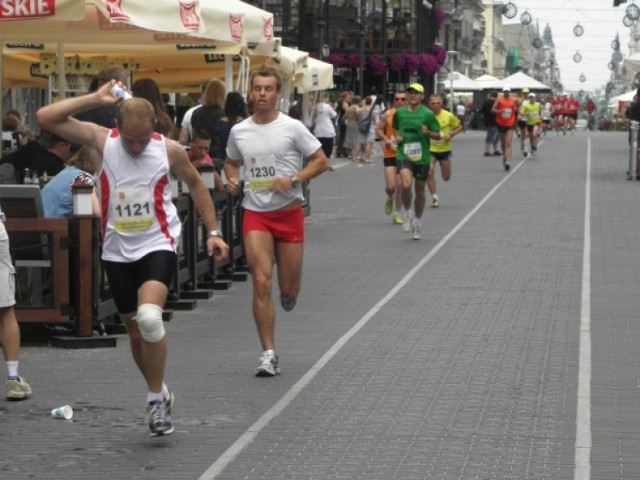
[
  {"x": 140, "y": 224},
  {"x": 138, "y": 216}
]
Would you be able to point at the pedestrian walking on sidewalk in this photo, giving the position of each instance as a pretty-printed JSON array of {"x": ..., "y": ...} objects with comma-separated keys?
[
  {"x": 414, "y": 127},
  {"x": 16, "y": 388},
  {"x": 140, "y": 224},
  {"x": 450, "y": 126},
  {"x": 492, "y": 138},
  {"x": 271, "y": 146}
]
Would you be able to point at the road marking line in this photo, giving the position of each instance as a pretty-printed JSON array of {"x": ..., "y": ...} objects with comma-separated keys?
[
  {"x": 582, "y": 469},
  {"x": 252, "y": 432}
]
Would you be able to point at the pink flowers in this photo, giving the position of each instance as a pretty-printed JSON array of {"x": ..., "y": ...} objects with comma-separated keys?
[
  {"x": 440, "y": 53},
  {"x": 378, "y": 65},
  {"x": 426, "y": 63},
  {"x": 336, "y": 59},
  {"x": 438, "y": 17},
  {"x": 398, "y": 62}
]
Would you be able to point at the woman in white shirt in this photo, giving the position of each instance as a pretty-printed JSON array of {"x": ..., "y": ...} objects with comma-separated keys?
[{"x": 325, "y": 130}]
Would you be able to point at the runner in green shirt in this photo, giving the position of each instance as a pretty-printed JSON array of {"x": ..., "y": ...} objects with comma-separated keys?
[
  {"x": 531, "y": 112},
  {"x": 414, "y": 126}
]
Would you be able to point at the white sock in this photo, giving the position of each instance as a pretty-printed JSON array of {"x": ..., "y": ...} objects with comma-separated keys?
[
  {"x": 409, "y": 213},
  {"x": 12, "y": 368},
  {"x": 152, "y": 397},
  {"x": 268, "y": 353},
  {"x": 417, "y": 222},
  {"x": 435, "y": 196},
  {"x": 165, "y": 391}
]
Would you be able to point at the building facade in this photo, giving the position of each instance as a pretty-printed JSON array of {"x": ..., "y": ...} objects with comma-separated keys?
[{"x": 375, "y": 45}]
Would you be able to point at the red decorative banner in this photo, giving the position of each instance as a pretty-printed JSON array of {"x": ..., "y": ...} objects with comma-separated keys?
[
  {"x": 235, "y": 27},
  {"x": 189, "y": 16},
  {"x": 116, "y": 14},
  {"x": 26, "y": 9},
  {"x": 268, "y": 29}
]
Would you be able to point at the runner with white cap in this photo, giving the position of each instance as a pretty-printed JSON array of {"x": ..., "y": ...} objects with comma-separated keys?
[{"x": 505, "y": 110}]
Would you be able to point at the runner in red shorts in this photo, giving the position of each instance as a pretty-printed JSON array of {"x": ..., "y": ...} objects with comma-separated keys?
[{"x": 271, "y": 146}]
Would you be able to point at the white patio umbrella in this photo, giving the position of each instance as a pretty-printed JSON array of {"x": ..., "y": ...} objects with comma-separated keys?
[
  {"x": 216, "y": 25},
  {"x": 316, "y": 75}
]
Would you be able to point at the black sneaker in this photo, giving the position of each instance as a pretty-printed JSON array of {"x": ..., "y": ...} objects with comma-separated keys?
[
  {"x": 497, "y": 153},
  {"x": 287, "y": 303},
  {"x": 487, "y": 154},
  {"x": 507, "y": 166}
]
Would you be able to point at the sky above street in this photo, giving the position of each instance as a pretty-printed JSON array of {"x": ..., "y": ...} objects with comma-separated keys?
[{"x": 601, "y": 22}]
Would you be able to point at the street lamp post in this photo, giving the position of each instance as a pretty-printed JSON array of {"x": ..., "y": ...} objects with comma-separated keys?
[
  {"x": 363, "y": 34},
  {"x": 450, "y": 55}
]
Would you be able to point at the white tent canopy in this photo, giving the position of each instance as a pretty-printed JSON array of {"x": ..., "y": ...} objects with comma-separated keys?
[
  {"x": 632, "y": 63},
  {"x": 486, "y": 80},
  {"x": 461, "y": 83},
  {"x": 625, "y": 97},
  {"x": 518, "y": 81}
]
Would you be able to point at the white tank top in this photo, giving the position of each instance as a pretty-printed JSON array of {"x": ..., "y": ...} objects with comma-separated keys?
[{"x": 138, "y": 216}]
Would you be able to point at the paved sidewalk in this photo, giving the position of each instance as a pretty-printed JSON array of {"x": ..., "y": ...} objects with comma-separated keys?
[{"x": 457, "y": 354}]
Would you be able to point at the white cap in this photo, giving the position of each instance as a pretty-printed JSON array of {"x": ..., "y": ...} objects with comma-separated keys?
[
  {"x": 532, "y": 95},
  {"x": 506, "y": 89}
]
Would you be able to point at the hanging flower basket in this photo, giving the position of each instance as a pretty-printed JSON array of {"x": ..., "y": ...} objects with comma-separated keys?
[
  {"x": 336, "y": 59},
  {"x": 353, "y": 60},
  {"x": 440, "y": 53},
  {"x": 428, "y": 63},
  {"x": 438, "y": 17},
  {"x": 398, "y": 62},
  {"x": 412, "y": 62},
  {"x": 378, "y": 65}
]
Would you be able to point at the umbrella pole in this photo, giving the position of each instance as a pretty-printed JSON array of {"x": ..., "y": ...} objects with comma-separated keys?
[
  {"x": 228, "y": 73},
  {"x": 60, "y": 68},
  {"x": 1, "y": 75}
]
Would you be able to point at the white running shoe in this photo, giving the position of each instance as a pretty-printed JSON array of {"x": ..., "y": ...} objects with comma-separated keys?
[
  {"x": 415, "y": 230},
  {"x": 269, "y": 366},
  {"x": 406, "y": 225}
]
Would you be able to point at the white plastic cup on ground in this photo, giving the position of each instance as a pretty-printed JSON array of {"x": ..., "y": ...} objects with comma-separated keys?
[{"x": 65, "y": 412}]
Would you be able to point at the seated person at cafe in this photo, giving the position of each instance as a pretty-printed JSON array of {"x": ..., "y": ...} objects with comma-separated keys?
[
  {"x": 105, "y": 115},
  {"x": 11, "y": 136},
  {"x": 57, "y": 195},
  {"x": 48, "y": 154},
  {"x": 198, "y": 150}
]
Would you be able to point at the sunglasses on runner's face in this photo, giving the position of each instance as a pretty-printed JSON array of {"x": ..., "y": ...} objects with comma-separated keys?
[{"x": 400, "y": 99}]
